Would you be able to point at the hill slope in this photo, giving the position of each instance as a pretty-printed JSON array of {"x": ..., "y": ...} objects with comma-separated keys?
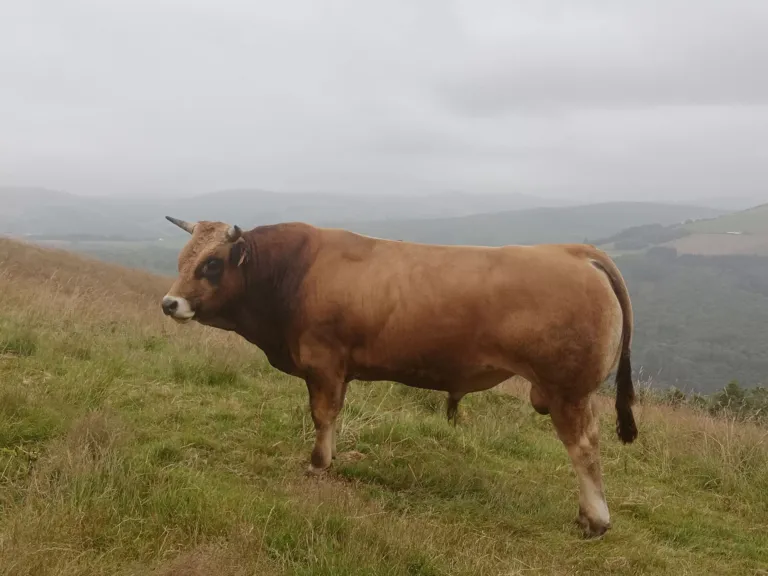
[
  {"x": 752, "y": 221},
  {"x": 738, "y": 233},
  {"x": 569, "y": 224},
  {"x": 456, "y": 217},
  {"x": 130, "y": 445}
]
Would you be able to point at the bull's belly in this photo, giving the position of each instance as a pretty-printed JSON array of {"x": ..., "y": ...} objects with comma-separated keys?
[{"x": 436, "y": 375}]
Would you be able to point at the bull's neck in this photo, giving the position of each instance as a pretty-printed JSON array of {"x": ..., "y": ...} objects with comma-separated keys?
[{"x": 278, "y": 259}]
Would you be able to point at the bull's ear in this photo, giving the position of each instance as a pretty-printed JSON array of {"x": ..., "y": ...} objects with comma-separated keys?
[{"x": 238, "y": 254}]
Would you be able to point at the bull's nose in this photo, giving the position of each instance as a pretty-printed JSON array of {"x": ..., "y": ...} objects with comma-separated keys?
[{"x": 170, "y": 305}]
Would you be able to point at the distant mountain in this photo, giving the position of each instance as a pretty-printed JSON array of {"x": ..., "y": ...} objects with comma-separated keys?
[
  {"x": 562, "y": 224},
  {"x": 254, "y": 207},
  {"x": 449, "y": 218},
  {"x": 25, "y": 211},
  {"x": 734, "y": 203},
  {"x": 37, "y": 211},
  {"x": 14, "y": 200}
]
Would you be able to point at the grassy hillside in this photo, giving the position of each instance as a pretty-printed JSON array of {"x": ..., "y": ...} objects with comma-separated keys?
[
  {"x": 130, "y": 445},
  {"x": 569, "y": 224},
  {"x": 753, "y": 221},
  {"x": 743, "y": 233}
]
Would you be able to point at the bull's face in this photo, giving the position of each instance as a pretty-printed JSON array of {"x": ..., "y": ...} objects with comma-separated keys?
[{"x": 209, "y": 271}]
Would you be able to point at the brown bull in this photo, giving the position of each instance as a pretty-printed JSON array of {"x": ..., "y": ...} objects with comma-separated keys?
[{"x": 330, "y": 306}]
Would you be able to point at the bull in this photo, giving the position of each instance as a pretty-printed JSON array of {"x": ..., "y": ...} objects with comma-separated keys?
[{"x": 330, "y": 306}]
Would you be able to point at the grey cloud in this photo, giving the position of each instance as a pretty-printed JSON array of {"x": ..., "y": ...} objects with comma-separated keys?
[
  {"x": 618, "y": 56},
  {"x": 595, "y": 99}
]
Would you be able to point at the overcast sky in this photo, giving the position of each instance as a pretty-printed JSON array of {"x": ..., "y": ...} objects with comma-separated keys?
[{"x": 579, "y": 99}]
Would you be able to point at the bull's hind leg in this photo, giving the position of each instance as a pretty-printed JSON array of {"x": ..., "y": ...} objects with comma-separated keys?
[
  {"x": 577, "y": 426},
  {"x": 452, "y": 409}
]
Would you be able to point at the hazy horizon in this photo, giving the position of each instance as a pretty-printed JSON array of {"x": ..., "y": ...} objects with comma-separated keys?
[{"x": 588, "y": 103}]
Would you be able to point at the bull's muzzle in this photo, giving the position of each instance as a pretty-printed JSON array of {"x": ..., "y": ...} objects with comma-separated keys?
[
  {"x": 170, "y": 305},
  {"x": 177, "y": 308}
]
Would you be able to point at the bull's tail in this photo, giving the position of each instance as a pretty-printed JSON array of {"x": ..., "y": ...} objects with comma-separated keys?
[{"x": 625, "y": 391}]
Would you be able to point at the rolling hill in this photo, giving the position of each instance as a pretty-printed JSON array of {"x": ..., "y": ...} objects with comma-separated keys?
[
  {"x": 751, "y": 221},
  {"x": 46, "y": 213},
  {"x": 255, "y": 207},
  {"x": 454, "y": 218},
  {"x": 130, "y": 445},
  {"x": 562, "y": 224},
  {"x": 42, "y": 212},
  {"x": 742, "y": 233}
]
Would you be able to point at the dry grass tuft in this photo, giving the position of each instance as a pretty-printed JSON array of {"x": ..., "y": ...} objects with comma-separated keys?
[
  {"x": 94, "y": 435},
  {"x": 220, "y": 558}
]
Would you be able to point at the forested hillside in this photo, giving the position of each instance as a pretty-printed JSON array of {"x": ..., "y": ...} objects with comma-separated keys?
[{"x": 700, "y": 320}]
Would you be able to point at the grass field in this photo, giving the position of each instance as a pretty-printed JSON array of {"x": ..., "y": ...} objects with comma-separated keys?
[{"x": 130, "y": 445}]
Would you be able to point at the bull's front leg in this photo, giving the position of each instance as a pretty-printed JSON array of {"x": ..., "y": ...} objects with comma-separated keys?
[
  {"x": 334, "y": 428},
  {"x": 326, "y": 399}
]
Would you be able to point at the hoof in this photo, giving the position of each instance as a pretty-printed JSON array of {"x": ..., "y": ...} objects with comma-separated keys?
[
  {"x": 590, "y": 528},
  {"x": 314, "y": 472}
]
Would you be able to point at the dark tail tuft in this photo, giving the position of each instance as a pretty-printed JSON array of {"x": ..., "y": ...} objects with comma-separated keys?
[
  {"x": 625, "y": 396},
  {"x": 452, "y": 411}
]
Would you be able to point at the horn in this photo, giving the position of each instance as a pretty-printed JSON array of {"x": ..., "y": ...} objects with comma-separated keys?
[
  {"x": 234, "y": 233},
  {"x": 186, "y": 226}
]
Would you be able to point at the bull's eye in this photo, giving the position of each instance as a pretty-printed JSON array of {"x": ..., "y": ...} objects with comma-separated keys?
[{"x": 212, "y": 267}]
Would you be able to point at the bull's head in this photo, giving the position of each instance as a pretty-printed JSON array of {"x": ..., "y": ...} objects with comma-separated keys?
[{"x": 209, "y": 275}]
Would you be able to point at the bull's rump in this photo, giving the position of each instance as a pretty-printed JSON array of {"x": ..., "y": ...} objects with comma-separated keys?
[{"x": 455, "y": 312}]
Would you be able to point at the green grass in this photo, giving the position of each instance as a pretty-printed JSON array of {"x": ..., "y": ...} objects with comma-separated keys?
[{"x": 131, "y": 446}]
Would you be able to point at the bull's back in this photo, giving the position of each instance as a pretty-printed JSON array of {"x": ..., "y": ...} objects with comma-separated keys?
[{"x": 402, "y": 305}]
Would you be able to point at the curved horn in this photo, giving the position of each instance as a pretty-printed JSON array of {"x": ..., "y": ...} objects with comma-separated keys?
[
  {"x": 234, "y": 233},
  {"x": 186, "y": 226}
]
